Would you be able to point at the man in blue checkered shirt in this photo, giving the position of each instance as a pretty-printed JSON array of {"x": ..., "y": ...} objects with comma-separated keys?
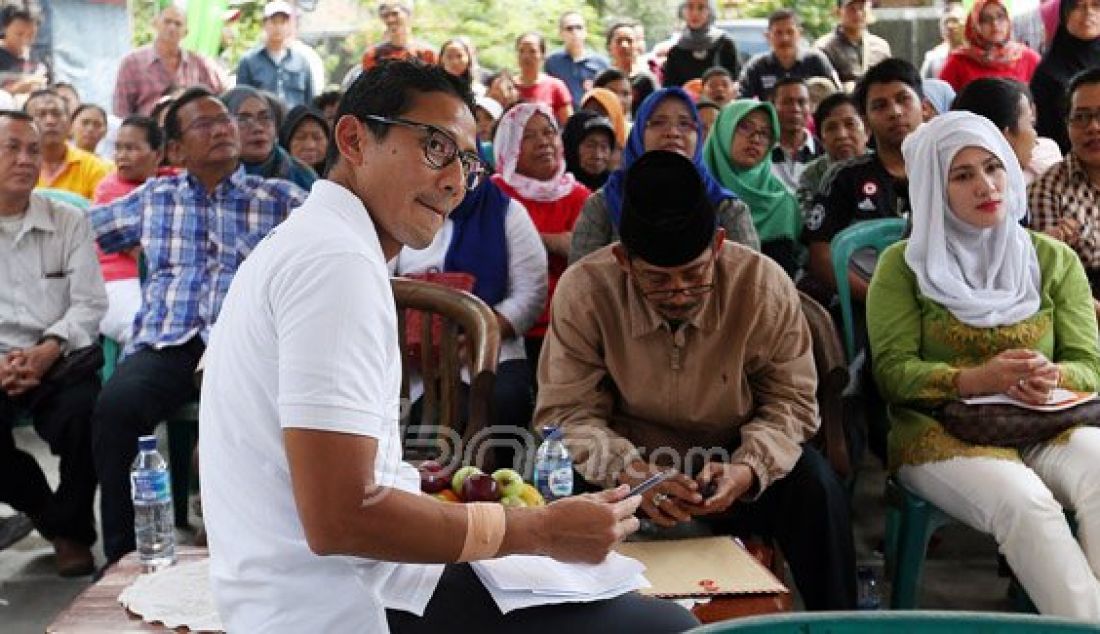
[{"x": 194, "y": 230}]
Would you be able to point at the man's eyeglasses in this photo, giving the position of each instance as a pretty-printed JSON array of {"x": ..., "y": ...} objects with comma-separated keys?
[
  {"x": 1083, "y": 118},
  {"x": 204, "y": 126},
  {"x": 688, "y": 291},
  {"x": 682, "y": 125},
  {"x": 262, "y": 119},
  {"x": 441, "y": 149}
]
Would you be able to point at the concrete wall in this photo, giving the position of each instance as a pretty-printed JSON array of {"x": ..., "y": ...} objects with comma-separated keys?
[{"x": 911, "y": 32}]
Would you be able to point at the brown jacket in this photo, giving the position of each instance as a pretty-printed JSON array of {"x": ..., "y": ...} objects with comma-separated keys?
[{"x": 739, "y": 376}]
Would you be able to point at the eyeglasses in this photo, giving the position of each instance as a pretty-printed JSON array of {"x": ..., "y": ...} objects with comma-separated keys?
[
  {"x": 682, "y": 125},
  {"x": 573, "y": 27},
  {"x": 262, "y": 119},
  {"x": 992, "y": 19},
  {"x": 751, "y": 132},
  {"x": 687, "y": 291},
  {"x": 204, "y": 126},
  {"x": 1083, "y": 118},
  {"x": 441, "y": 149}
]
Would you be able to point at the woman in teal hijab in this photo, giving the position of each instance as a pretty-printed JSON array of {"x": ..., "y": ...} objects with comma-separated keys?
[{"x": 738, "y": 154}]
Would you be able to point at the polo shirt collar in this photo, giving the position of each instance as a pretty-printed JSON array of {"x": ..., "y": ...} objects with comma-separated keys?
[
  {"x": 340, "y": 201},
  {"x": 38, "y": 216},
  {"x": 1077, "y": 172}
]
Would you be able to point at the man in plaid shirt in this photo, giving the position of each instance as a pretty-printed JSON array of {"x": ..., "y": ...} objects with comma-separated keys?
[
  {"x": 148, "y": 73},
  {"x": 194, "y": 230},
  {"x": 1065, "y": 201}
]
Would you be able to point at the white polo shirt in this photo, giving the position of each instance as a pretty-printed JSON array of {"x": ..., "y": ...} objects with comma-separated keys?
[{"x": 307, "y": 338}]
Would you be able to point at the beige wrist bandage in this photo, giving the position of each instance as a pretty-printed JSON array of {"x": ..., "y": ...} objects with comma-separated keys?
[{"x": 485, "y": 526}]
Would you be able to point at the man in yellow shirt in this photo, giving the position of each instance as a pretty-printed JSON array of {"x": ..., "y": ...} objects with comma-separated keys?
[{"x": 64, "y": 166}]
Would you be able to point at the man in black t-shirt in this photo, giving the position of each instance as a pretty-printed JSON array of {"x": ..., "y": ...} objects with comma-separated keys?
[
  {"x": 787, "y": 58},
  {"x": 868, "y": 186}
]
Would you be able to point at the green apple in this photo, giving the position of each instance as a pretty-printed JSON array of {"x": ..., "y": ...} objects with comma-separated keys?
[
  {"x": 460, "y": 478},
  {"x": 509, "y": 481},
  {"x": 513, "y": 501}
]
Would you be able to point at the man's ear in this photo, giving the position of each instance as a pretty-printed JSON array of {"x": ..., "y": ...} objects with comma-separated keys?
[
  {"x": 172, "y": 152},
  {"x": 621, "y": 257},
  {"x": 352, "y": 137}
]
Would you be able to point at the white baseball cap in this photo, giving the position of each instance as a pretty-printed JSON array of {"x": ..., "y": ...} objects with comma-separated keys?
[{"x": 276, "y": 7}]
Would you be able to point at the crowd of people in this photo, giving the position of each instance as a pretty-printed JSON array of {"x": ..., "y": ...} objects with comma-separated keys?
[{"x": 641, "y": 225}]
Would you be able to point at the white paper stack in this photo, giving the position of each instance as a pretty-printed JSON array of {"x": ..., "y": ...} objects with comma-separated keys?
[{"x": 522, "y": 581}]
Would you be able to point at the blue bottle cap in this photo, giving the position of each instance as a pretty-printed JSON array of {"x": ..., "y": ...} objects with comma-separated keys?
[
  {"x": 551, "y": 433},
  {"x": 147, "y": 443}
]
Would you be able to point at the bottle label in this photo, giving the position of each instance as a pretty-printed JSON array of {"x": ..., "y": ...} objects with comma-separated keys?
[
  {"x": 560, "y": 482},
  {"x": 150, "y": 486}
]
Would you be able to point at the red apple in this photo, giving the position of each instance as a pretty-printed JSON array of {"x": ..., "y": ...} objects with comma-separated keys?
[
  {"x": 480, "y": 487},
  {"x": 434, "y": 477}
]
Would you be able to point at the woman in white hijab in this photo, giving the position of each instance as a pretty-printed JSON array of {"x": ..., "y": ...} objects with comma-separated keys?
[{"x": 973, "y": 304}]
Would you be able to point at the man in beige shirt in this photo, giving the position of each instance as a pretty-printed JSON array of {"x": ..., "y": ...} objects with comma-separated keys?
[
  {"x": 51, "y": 301},
  {"x": 674, "y": 349}
]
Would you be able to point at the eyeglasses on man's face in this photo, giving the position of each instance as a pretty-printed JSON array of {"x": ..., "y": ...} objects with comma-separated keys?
[
  {"x": 204, "y": 126},
  {"x": 440, "y": 149},
  {"x": 261, "y": 119},
  {"x": 1081, "y": 119}
]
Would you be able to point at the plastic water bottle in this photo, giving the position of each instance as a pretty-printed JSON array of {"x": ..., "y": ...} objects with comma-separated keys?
[
  {"x": 154, "y": 520},
  {"x": 553, "y": 466},
  {"x": 867, "y": 589}
]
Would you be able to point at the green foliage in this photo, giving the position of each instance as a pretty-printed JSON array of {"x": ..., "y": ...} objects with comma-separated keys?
[
  {"x": 243, "y": 34},
  {"x": 817, "y": 16}
]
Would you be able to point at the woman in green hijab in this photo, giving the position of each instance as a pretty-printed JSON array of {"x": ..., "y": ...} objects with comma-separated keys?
[{"x": 738, "y": 154}]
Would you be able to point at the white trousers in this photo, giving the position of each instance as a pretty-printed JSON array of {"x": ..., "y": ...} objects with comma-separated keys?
[
  {"x": 1021, "y": 506},
  {"x": 123, "y": 303}
]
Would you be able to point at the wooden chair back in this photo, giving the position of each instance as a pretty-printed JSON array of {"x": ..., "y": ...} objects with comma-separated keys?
[
  {"x": 832, "y": 379},
  {"x": 463, "y": 314}
]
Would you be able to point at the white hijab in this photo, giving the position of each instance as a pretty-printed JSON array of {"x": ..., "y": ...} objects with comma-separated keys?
[{"x": 984, "y": 277}]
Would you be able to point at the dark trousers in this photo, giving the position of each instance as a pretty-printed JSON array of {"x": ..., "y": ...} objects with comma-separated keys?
[
  {"x": 806, "y": 512},
  {"x": 62, "y": 417},
  {"x": 145, "y": 388},
  {"x": 460, "y": 598}
]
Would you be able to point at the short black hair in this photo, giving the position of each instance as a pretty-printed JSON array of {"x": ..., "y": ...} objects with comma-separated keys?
[
  {"x": 995, "y": 98},
  {"x": 887, "y": 71},
  {"x": 607, "y": 76},
  {"x": 706, "y": 103},
  {"x": 715, "y": 71},
  {"x": 16, "y": 115},
  {"x": 537, "y": 35},
  {"x": 327, "y": 98},
  {"x": 1084, "y": 78},
  {"x": 154, "y": 136},
  {"x": 45, "y": 92},
  {"x": 172, "y": 131},
  {"x": 828, "y": 105},
  {"x": 87, "y": 106},
  {"x": 13, "y": 13},
  {"x": 787, "y": 81},
  {"x": 388, "y": 89},
  {"x": 615, "y": 26},
  {"x": 783, "y": 14}
]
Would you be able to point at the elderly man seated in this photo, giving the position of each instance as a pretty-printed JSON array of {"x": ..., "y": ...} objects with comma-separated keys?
[
  {"x": 51, "y": 301},
  {"x": 674, "y": 349}
]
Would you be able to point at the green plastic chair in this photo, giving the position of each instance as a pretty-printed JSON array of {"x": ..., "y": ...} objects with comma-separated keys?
[
  {"x": 910, "y": 519},
  {"x": 877, "y": 234},
  {"x": 898, "y": 623}
]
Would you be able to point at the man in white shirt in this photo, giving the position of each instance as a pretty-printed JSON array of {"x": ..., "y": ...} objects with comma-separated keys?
[{"x": 307, "y": 503}]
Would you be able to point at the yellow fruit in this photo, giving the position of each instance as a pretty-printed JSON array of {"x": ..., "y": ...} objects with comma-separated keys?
[{"x": 531, "y": 496}]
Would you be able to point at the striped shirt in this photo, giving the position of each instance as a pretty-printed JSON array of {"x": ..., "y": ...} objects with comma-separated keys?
[
  {"x": 1065, "y": 191},
  {"x": 193, "y": 243}
]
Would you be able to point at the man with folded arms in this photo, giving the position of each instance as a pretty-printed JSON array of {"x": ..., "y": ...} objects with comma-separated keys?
[
  {"x": 675, "y": 349},
  {"x": 315, "y": 524}
]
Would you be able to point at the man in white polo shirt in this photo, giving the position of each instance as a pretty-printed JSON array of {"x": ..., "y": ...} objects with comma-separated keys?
[{"x": 309, "y": 509}]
